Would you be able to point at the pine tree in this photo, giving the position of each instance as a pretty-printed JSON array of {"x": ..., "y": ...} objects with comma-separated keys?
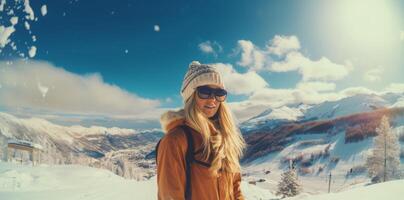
[
  {"x": 289, "y": 185},
  {"x": 384, "y": 162}
]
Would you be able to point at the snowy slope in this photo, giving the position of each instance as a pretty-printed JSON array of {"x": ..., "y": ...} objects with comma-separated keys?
[
  {"x": 316, "y": 156},
  {"x": 346, "y": 106},
  {"x": 389, "y": 190},
  {"x": 313, "y": 179},
  {"x": 72, "y": 182},
  {"x": 393, "y": 98},
  {"x": 398, "y": 103}
]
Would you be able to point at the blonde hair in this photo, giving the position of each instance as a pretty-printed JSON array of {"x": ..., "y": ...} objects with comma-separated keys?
[{"x": 224, "y": 143}]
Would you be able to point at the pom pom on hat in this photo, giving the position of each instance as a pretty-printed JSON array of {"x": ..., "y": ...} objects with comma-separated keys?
[{"x": 197, "y": 75}]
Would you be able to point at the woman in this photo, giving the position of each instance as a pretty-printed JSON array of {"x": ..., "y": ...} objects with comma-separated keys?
[{"x": 217, "y": 143}]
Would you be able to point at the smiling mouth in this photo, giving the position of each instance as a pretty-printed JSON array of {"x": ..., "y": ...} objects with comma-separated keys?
[{"x": 210, "y": 107}]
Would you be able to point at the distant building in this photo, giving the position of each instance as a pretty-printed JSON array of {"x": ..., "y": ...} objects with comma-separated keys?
[{"x": 16, "y": 149}]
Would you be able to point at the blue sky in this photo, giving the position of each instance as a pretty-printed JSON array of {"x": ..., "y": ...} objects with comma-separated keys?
[{"x": 271, "y": 45}]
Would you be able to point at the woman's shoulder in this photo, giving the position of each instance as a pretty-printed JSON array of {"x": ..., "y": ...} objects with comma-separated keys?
[
  {"x": 176, "y": 133},
  {"x": 175, "y": 137}
]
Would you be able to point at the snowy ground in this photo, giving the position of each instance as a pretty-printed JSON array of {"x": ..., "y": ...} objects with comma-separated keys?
[
  {"x": 84, "y": 183},
  {"x": 390, "y": 190},
  {"x": 69, "y": 182},
  {"x": 72, "y": 182}
]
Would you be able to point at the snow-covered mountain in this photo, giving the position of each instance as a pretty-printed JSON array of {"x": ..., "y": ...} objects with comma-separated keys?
[
  {"x": 331, "y": 137},
  {"x": 346, "y": 106},
  {"x": 123, "y": 151},
  {"x": 273, "y": 117}
]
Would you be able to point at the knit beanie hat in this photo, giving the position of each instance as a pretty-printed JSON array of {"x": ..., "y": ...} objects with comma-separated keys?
[{"x": 197, "y": 75}]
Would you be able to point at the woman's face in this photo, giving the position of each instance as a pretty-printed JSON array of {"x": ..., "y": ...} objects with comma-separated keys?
[{"x": 208, "y": 106}]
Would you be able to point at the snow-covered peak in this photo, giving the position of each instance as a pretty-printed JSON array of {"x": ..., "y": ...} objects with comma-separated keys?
[
  {"x": 284, "y": 113},
  {"x": 11, "y": 126},
  {"x": 399, "y": 103},
  {"x": 99, "y": 130},
  {"x": 327, "y": 110},
  {"x": 275, "y": 116},
  {"x": 392, "y": 98},
  {"x": 346, "y": 106}
]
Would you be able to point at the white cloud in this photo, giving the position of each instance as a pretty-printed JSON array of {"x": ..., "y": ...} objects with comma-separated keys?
[
  {"x": 314, "y": 97},
  {"x": 322, "y": 69},
  {"x": 41, "y": 86},
  {"x": 206, "y": 47},
  {"x": 209, "y": 47},
  {"x": 316, "y": 86},
  {"x": 244, "y": 110},
  {"x": 281, "y": 97},
  {"x": 2, "y": 3},
  {"x": 395, "y": 87},
  {"x": 281, "y": 45},
  {"x": 240, "y": 83},
  {"x": 5, "y": 33},
  {"x": 373, "y": 74},
  {"x": 292, "y": 62},
  {"x": 311, "y": 70},
  {"x": 27, "y": 26},
  {"x": 28, "y": 10},
  {"x": 156, "y": 28},
  {"x": 32, "y": 51},
  {"x": 14, "y": 20},
  {"x": 355, "y": 90},
  {"x": 275, "y": 97},
  {"x": 251, "y": 56},
  {"x": 44, "y": 10}
]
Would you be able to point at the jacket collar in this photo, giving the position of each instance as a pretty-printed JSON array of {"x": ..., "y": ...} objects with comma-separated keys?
[{"x": 172, "y": 119}]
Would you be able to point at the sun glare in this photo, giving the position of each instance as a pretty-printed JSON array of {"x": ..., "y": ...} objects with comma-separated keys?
[{"x": 367, "y": 27}]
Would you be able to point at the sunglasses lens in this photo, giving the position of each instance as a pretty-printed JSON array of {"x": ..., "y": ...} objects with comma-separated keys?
[
  {"x": 220, "y": 92},
  {"x": 204, "y": 96},
  {"x": 205, "y": 92}
]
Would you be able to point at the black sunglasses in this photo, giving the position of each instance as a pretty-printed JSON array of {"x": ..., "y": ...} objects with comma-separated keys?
[{"x": 206, "y": 92}]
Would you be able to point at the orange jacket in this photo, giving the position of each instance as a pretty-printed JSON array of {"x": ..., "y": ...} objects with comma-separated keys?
[{"x": 171, "y": 166}]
